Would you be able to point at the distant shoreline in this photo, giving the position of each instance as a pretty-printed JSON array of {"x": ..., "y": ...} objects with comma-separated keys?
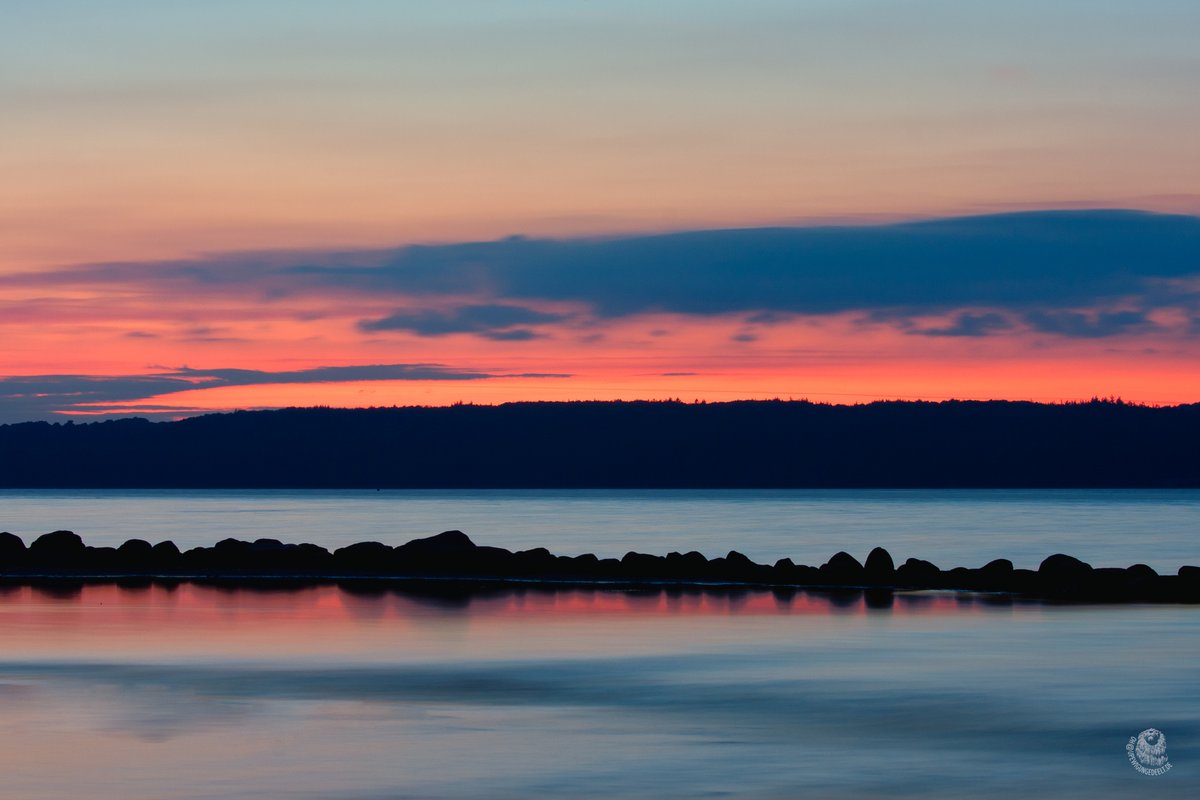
[
  {"x": 623, "y": 445},
  {"x": 452, "y": 559}
]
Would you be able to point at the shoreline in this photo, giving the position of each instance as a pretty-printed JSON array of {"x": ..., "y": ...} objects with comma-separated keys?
[{"x": 452, "y": 560}]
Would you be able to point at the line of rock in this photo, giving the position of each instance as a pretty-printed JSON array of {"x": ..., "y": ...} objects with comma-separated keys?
[{"x": 453, "y": 556}]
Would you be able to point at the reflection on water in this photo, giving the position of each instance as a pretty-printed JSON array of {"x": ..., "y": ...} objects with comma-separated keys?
[{"x": 202, "y": 692}]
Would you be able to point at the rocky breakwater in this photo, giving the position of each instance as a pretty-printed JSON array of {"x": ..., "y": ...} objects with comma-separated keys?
[{"x": 62, "y": 555}]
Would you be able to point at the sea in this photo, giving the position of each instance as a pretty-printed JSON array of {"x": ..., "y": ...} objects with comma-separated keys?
[{"x": 191, "y": 691}]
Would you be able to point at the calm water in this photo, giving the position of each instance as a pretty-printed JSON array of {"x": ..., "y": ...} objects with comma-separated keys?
[
  {"x": 201, "y": 693},
  {"x": 951, "y": 528},
  {"x": 198, "y": 692}
]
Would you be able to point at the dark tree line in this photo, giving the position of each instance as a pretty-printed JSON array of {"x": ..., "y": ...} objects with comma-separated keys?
[{"x": 624, "y": 444}]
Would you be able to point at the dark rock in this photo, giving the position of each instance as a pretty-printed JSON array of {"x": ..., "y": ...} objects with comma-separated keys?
[
  {"x": 957, "y": 578},
  {"x": 784, "y": 571},
  {"x": 879, "y": 568},
  {"x": 533, "y": 563},
  {"x": 738, "y": 567},
  {"x": 57, "y": 550},
  {"x": 166, "y": 549},
  {"x": 609, "y": 569},
  {"x": 452, "y": 554},
  {"x": 1000, "y": 567},
  {"x": 1108, "y": 583},
  {"x": 310, "y": 559},
  {"x": 136, "y": 555},
  {"x": 1063, "y": 565},
  {"x": 688, "y": 566},
  {"x": 996, "y": 575},
  {"x": 10, "y": 545},
  {"x": 1188, "y": 583},
  {"x": 448, "y": 553},
  {"x": 917, "y": 573},
  {"x": 448, "y": 543},
  {"x": 99, "y": 561},
  {"x": 233, "y": 552},
  {"x": 364, "y": 558},
  {"x": 842, "y": 569},
  {"x": 1063, "y": 575},
  {"x": 166, "y": 557},
  {"x": 640, "y": 566},
  {"x": 1024, "y": 581},
  {"x": 136, "y": 548},
  {"x": 57, "y": 543},
  {"x": 584, "y": 567},
  {"x": 198, "y": 560},
  {"x": 12, "y": 551}
]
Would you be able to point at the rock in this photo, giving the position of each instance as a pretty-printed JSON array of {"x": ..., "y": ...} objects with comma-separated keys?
[
  {"x": 452, "y": 554},
  {"x": 58, "y": 542},
  {"x": 10, "y": 545},
  {"x": 135, "y": 555},
  {"x": 996, "y": 575},
  {"x": 267, "y": 545},
  {"x": 957, "y": 578},
  {"x": 1063, "y": 565},
  {"x": 998, "y": 566},
  {"x": 842, "y": 569},
  {"x": 1065, "y": 576},
  {"x": 60, "y": 549},
  {"x": 166, "y": 556},
  {"x": 12, "y": 551},
  {"x": 443, "y": 544},
  {"x": 880, "y": 570},
  {"x": 370, "y": 558},
  {"x": 641, "y": 566},
  {"x": 1024, "y": 581},
  {"x": 99, "y": 560},
  {"x": 1188, "y": 584},
  {"x": 738, "y": 567},
  {"x": 166, "y": 548},
  {"x": 917, "y": 573}
]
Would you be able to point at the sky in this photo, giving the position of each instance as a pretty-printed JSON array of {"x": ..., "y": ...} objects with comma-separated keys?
[{"x": 252, "y": 204}]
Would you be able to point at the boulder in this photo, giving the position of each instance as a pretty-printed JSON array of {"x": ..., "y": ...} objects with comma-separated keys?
[
  {"x": 879, "y": 568},
  {"x": 917, "y": 573},
  {"x": 996, "y": 575},
  {"x": 842, "y": 569},
  {"x": 1063, "y": 575},
  {"x": 373, "y": 558},
  {"x": 12, "y": 551},
  {"x": 60, "y": 549},
  {"x": 136, "y": 555}
]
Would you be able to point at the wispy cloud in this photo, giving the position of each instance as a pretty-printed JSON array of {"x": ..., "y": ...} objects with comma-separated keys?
[
  {"x": 41, "y": 396},
  {"x": 1091, "y": 325},
  {"x": 1031, "y": 267},
  {"x": 969, "y": 325},
  {"x": 494, "y": 321}
]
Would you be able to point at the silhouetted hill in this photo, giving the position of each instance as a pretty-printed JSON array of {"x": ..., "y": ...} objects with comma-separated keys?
[{"x": 624, "y": 444}]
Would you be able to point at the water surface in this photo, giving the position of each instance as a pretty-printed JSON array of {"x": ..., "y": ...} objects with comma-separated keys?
[
  {"x": 951, "y": 528},
  {"x": 194, "y": 692}
]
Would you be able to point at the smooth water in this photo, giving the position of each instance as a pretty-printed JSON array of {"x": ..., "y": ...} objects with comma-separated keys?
[
  {"x": 951, "y": 528},
  {"x": 193, "y": 692}
]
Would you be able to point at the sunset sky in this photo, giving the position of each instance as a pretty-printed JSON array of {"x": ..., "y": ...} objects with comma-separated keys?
[{"x": 261, "y": 203}]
